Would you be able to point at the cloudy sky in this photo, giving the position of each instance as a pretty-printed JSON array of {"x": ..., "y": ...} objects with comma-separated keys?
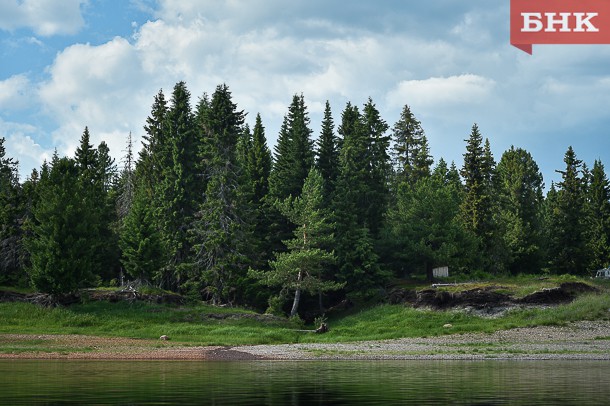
[{"x": 67, "y": 64}]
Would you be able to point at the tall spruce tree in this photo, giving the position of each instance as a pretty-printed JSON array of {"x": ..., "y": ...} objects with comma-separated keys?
[
  {"x": 380, "y": 167},
  {"x": 478, "y": 206},
  {"x": 155, "y": 156},
  {"x": 294, "y": 155},
  {"x": 293, "y": 158},
  {"x": 357, "y": 261},
  {"x": 178, "y": 187},
  {"x": 327, "y": 161},
  {"x": 520, "y": 210},
  {"x": 598, "y": 218},
  {"x": 220, "y": 231},
  {"x": 62, "y": 236},
  {"x": 411, "y": 152},
  {"x": 567, "y": 240}
]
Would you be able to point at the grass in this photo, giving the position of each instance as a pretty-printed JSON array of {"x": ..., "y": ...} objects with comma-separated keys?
[{"x": 189, "y": 325}]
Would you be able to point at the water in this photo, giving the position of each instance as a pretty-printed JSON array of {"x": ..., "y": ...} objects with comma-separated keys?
[{"x": 305, "y": 383}]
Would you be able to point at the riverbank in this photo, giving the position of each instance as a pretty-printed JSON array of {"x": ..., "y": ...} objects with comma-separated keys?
[{"x": 583, "y": 340}]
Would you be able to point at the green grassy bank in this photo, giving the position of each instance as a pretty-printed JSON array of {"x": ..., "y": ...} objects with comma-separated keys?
[{"x": 206, "y": 325}]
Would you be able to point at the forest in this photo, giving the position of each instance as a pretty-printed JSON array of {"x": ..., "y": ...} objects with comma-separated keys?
[{"x": 207, "y": 210}]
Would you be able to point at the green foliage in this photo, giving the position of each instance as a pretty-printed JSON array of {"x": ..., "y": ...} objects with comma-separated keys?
[
  {"x": 411, "y": 152},
  {"x": 178, "y": 184},
  {"x": 424, "y": 228},
  {"x": 140, "y": 241},
  {"x": 300, "y": 269},
  {"x": 479, "y": 205},
  {"x": 521, "y": 199},
  {"x": 63, "y": 233},
  {"x": 567, "y": 240},
  {"x": 357, "y": 260},
  {"x": 327, "y": 161},
  {"x": 221, "y": 229},
  {"x": 598, "y": 218},
  {"x": 12, "y": 213}
]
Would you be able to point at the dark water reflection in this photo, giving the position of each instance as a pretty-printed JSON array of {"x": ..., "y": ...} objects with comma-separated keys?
[{"x": 305, "y": 383}]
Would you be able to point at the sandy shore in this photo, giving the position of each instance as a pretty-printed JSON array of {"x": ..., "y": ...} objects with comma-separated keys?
[{"x": 588, "y": 340}]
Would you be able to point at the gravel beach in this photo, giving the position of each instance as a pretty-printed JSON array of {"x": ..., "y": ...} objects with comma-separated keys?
[{"x": 585, "y": 340}]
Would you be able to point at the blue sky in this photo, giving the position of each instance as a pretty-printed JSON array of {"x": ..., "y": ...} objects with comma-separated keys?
[{"x": 67, "y": 64}]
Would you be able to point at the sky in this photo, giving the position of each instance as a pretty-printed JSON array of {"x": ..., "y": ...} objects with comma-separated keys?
[{"x": 67, "y": 64}]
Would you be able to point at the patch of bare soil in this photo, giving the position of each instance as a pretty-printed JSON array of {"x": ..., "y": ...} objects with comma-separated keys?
[{"x": 488, "y": 297}]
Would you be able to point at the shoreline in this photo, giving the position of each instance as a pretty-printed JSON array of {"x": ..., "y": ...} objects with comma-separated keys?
[{"x": 583, "y": 340}]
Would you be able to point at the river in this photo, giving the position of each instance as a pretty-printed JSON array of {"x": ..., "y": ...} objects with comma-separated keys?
[{"x": 57, "y": 382}]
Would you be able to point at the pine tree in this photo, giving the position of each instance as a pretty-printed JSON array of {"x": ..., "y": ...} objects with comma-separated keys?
[
  {"x": 598, "y": 218},
  {"x": 301, "y": 268},
  {"x": 567, "y": 242},
  {"x": 220, "y": 231},
  {"x": 63, "y": 232},
  {"x": 520, "y": 209}
]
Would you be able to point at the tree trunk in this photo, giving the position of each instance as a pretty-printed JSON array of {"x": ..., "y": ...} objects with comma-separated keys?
[{"x": 297, "y": 297}]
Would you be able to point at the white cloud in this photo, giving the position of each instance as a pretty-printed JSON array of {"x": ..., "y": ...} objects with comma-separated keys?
[
  {"x": 102, "y": 87},
  {"x": 442, "y": 91},
  {"x": 20, "y": 144},
  {"x": 15, "y": 93},
  {"x": 267, "y": 50},
  {"x": 44, "y": 17}
]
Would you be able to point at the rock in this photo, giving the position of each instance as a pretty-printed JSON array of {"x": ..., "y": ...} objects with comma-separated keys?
[
  {"x": 164, "y": 338},
  {"x": 448, "y": 325}
]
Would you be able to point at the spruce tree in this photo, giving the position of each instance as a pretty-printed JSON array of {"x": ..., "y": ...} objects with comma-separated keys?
[
  {"x": 380, "y": 168},
  {"x": 155, "y": 156},
  {"x": 567, "y": 239},
  {"x": 327, "y": 161},
  {"x": 294, "y": 155},
  {"x": 220, "y": 231},
  {"x": 598, "y": 218},
  {"x": 478, "y": 206},
  {"x": 520, "y": 198},
  {"x": 424, "y": 229},
  {"x": 357, "y": 261},
  {"x": 62, "y": 235},
  {"x": 410, "y": 150},
  {"x": 140, "y": 240},
  {"x": 12, "y": 213},
  {"x": 293, "y": 158},
  {"x": 178, "y": 187},
  {"x": 259, "y": 163}
]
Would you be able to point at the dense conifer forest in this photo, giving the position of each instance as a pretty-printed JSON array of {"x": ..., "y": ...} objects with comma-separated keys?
[{"x": 207, "y": 210}]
